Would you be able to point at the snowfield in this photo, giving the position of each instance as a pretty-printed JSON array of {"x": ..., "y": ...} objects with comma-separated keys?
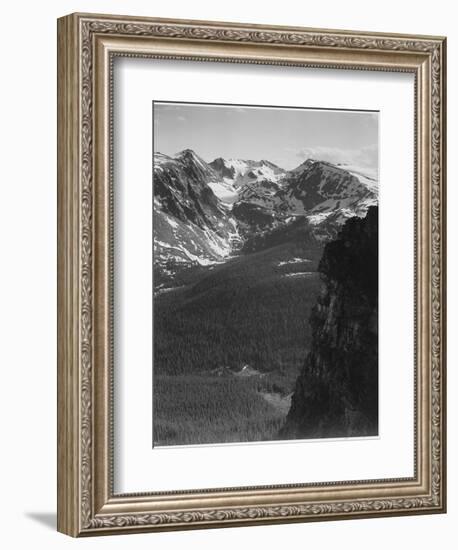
[{"x": 294, "y": 261}]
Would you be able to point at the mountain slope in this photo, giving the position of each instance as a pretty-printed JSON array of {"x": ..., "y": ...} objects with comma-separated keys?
[
  {"x": 191, "y": 225},
  {"x": 251, "y": 309}
]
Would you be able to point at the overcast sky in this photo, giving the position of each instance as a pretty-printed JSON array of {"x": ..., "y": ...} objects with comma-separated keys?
[{"x": 284, "y": 136}]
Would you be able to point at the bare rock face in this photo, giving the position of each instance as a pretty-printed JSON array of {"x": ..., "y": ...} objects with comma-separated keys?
[{"x": 336, "y": 394}]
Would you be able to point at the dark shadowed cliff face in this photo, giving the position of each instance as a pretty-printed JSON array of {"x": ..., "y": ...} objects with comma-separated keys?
[{"x": 336, "y": 394}]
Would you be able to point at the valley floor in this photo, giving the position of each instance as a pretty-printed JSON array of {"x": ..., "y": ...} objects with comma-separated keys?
[{"x": 229, "y": 342}]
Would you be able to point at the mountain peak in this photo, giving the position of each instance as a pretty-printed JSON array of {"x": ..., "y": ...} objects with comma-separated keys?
[
  {"x": 321, "y": 187},
  {"x": 307, "y": 163},
  {"x": 192, "y": 161},
  {"x": 187, "y": 153},
  {"x": 247, "y": 171},
  {"x": 322, "y": 165},
  {"x": 221, "y": 167}
]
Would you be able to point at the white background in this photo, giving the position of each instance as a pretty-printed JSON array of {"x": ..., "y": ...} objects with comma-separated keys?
[
  {"x": 28, "y": 274},
  {"x": 137, "y": 466}
]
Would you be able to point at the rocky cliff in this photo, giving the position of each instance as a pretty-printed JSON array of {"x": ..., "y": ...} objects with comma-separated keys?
[{"x": 336, "y": 394}]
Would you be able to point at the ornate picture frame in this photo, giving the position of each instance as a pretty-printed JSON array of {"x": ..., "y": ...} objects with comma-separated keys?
[{"x": 87, "y": 46}]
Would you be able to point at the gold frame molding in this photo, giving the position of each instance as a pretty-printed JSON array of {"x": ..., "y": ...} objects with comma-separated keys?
[{"x": 87, "y": 44}]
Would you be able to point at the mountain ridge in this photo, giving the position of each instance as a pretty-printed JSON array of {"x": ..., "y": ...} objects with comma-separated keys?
[{"x": 204, "y": 212}]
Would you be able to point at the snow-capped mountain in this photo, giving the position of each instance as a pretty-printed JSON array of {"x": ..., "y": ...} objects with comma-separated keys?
[
  {"x": 204, "y": 211},
  {"x": 366, "y": 176},
  {"x": 237, "y": 177},
  {"x": 181, "y": 189},
  {"x": 317, "y": 190},
  {"x": 246, "y": 172},
  {"x": 191, "y": 225}
]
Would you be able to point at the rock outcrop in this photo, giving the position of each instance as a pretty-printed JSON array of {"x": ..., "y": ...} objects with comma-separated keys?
[{"x": 336, "y": 394}]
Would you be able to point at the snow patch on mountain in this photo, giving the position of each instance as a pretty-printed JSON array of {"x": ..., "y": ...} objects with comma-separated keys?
[
  {"x": 172, "y": 222},
  {"x": 192, "y": 226},
  {"x": 245, "y": 172},
  {"x": 294, "y": 261},
  {"x": 300, "y": 274},
  {"x": 367, "y": 176},
  {"x": 224, "y": 190}
]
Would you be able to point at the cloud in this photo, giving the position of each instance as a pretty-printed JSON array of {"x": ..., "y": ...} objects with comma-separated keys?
[{"x": 366, "y": 157}]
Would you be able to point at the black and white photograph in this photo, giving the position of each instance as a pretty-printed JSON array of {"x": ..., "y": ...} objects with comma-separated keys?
[{"x": 265, "y": 273}]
